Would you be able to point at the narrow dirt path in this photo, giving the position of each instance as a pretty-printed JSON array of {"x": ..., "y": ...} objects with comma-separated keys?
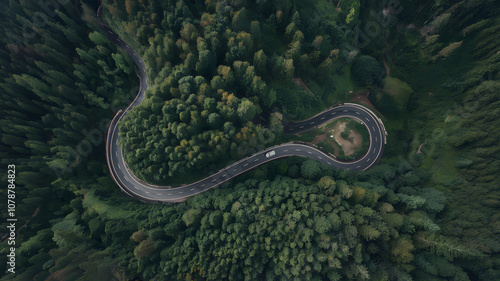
[{"x": 387, "y": 69}]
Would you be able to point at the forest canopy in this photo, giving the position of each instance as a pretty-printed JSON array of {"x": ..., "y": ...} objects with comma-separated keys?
[{"x": 223, "y": 78}]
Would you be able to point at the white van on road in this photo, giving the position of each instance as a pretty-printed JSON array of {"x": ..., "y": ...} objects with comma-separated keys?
[{"x": 271, "y": 153}]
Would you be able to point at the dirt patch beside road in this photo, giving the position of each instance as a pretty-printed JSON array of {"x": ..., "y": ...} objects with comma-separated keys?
[
  {"x": 362, "y": 98},
  {"x": 346, "y": 138},
  {"x": 319, "y": 139},
  {"x": 352, "y": 143}
]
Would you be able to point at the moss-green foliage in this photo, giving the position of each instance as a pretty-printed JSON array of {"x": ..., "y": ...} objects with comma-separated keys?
[
  {"x": 291, "y": 228},
  {"x": 144, "y": 249},
  {"x": 94, "y": 204},
  {"x": 212, "y": 49},
  {"x": 195, "y": 60},
  {"x": 367, "y": 71},
  {"x": 452, "y": 116},
  {"x": 61, "y": 82},
  {"x": 283, "y": 40},
  {"x": 399, "y": 90},
  {"x": 310, "y": 169},
  {"x": 431, "y": 215},
  {"x": 190, "y": 133},
  {"x": 344, "y": 84}
]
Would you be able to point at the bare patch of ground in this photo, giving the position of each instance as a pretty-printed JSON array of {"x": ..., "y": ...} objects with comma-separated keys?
[
  {"x": 346, "y": 138},
  {"x": 319, "y": 139},
  {"x": 322, "y": 137},
  {"x": 349, "y": 146},
  {"x": 387, "y": 69}
]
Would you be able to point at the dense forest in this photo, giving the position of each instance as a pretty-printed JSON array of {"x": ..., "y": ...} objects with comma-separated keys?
[
  {"x": 211, "y": 72},
  {"x": 221, "y": 78}
]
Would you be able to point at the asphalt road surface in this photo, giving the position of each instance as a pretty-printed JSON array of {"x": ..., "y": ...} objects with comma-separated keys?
[{"x": 135, "y": 187}]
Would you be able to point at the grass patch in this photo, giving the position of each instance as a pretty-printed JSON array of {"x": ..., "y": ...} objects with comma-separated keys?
[
  {"x": 442, "y": 160},
  {"x": 92, "y": 202},
  {"x": 297, "y": 103},
  {"x": 398, "y": 89},
  {"x": 343, "y": 85}
]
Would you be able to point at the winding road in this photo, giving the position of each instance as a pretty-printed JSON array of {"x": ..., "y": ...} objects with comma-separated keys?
[{"x": 137, "y": 188}]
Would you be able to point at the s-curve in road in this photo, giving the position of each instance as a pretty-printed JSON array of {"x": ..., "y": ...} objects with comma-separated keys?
[{"x": 135, "y": 187}]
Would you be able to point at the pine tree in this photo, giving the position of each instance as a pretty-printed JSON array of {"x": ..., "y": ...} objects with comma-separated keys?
[{"x": 444, "y": 246}]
